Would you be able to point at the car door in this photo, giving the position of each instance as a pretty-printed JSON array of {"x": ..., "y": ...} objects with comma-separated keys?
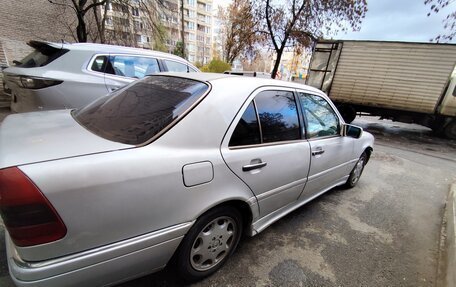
[
  {"x": 331, "y": 153},
  {"x": 124, "y": 69},
  {"x": 265, "y": 149}
]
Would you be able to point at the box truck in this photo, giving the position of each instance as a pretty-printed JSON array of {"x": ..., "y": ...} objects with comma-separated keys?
[{"x": 401, "y": 81}]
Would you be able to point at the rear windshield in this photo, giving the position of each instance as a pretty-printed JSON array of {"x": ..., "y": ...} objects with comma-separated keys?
[
  {"x": 141, "y": 110},
  {"x": 41, "y": 56}
]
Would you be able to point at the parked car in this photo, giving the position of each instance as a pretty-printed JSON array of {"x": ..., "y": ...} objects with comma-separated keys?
[
  {"x": 57, "y": 76},
  {"x": 173, "y": 164}
]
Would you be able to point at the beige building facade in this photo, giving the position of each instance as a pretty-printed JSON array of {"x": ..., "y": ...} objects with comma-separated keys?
[{"x": 198, "y": 28}]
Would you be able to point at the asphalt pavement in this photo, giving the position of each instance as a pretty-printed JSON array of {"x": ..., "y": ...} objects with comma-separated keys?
[{"x": 383, "y": 232}]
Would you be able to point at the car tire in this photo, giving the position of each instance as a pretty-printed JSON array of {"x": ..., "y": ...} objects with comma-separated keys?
[
  {"x": 209, "y": 243},
  {"x": 357, "y": 171}
]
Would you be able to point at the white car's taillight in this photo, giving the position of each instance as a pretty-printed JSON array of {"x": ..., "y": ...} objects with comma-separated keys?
[
  {"x": 28, "y": 216},
  {"x": 36, "y": 82}
]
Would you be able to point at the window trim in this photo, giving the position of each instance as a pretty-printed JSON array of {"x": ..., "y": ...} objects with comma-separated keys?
[
  {"x": 243, "y": 108},
  {"x": 333, "y": 107},
  {"x": 161, "y": 64}
]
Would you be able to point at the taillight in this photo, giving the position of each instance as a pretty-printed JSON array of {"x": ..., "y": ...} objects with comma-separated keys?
[
  {"x": 37, "y": 83},
  {"x": 28, "y": 216}
]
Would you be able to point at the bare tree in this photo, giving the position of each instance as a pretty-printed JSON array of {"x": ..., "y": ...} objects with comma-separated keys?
[
  {"x": 449, "y": 23},
  {"x": 120, "y": 27},
  {"x": 298, "y": 23},
  {"x": 80, "y": 8}
]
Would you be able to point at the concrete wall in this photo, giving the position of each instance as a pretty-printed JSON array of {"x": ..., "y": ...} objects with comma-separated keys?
[{"x": 25, "y": 20}]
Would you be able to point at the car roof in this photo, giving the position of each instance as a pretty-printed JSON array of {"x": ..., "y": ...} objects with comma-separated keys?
[
  {"x": 104, "y": 48},
  {"x": 241, "y": 80}
]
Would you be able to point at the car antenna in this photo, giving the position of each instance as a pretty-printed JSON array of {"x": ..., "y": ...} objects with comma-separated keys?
[{"x": 188, "y": 70}]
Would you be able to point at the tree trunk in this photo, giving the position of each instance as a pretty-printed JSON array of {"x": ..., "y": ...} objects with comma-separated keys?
[
  {"x": 81, "y": 29},
  {"x": 277, "y": 63},
  {"x": 183, "y": 29}
]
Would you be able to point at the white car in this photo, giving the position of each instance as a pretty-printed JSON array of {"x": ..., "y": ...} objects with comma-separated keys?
[
  {"x": 173, "y": 164},
  {"x": 58, "y": 76}
]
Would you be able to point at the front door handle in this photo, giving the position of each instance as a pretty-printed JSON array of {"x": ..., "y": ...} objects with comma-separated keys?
[
  {"x": 254, "y": 166},
  {"x": 317, "y": 152}
]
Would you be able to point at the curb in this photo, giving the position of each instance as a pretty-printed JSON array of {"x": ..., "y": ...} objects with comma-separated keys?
[{"x": 450, "y": 278}]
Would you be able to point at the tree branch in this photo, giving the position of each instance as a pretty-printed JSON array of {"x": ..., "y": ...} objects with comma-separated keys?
[
  {"x": 61, "y": 4},
  {"x": 268, "y": 21},
  {"x": 94, "y": 5}
]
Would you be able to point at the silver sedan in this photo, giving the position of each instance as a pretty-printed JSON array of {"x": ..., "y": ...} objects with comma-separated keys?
[{"x": 171, "y": 166}]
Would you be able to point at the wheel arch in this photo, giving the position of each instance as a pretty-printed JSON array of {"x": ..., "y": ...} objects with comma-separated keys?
[
  {"x": 248, "y": 211},
  {"x": 368, "y": 150}
]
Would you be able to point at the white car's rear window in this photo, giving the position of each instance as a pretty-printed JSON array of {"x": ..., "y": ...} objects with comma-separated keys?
[{"x": 138, "y": 112}]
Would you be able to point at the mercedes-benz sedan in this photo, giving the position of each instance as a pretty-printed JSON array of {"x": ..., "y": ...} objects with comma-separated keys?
[{"x": 171, "y": 166}]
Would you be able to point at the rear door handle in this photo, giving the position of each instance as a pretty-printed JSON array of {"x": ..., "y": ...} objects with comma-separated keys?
[
  {"x": 254, "y": 166},
  {"x": 317, "y": 152}
]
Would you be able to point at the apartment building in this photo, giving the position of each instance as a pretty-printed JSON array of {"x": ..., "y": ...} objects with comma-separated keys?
[
  {"x": 198, "y": 28},
  {"x": 129, "y": 25}
]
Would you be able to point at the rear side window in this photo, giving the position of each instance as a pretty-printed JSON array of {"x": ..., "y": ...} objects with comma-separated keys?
[
  {"x": 278, "y": 120},
  {"x": 41, "y": 56},
  {"x": 99, "y": 64},
  {"x": 132, "y": 66},
  {"x": 247, "y": 131},
  {"x": 178, "y": 67},
  {"x": 136, "y": 113}
]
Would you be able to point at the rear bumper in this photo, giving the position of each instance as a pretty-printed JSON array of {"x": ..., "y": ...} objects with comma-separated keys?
[{"x": 102, "y": 266}]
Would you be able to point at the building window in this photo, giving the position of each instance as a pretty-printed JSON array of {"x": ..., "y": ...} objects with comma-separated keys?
[
  {"x": 190, "y": 25},
  {"x": 134, "y": 11}
]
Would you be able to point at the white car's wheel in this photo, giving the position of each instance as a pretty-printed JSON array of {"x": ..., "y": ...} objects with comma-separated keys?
[
  {"x": 357, "y": 171},
  {"x": 209, "y": 243}
]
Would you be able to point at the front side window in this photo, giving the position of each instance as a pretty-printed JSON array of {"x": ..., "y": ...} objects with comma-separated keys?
[
  {"x": 321, "y": 119},
  {"x": 132, "y": 66},
  {"x": 135, "y": 114},
  {"x": 278, "y": 117}
]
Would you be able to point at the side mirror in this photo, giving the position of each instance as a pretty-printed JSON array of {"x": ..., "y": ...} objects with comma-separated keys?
[{"x": 352, "y": 131}]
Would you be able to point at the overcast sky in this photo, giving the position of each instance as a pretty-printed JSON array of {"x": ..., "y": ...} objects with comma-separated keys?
[
  {"x": 400, "y": 20},
  {"x": 395, "y": 20}
]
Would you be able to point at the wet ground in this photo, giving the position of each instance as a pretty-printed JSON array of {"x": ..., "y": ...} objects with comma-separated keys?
[{"x": 383, "y": 232}]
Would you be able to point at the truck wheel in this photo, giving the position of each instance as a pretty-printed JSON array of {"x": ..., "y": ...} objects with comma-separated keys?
[
  {"x": 209, "y": 243},
  {"x": 450, "y": 130},
  {"x": 348, "y": 112}
]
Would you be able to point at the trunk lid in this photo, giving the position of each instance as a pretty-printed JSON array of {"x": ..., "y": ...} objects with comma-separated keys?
[{"x": 43, "y": 136}]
